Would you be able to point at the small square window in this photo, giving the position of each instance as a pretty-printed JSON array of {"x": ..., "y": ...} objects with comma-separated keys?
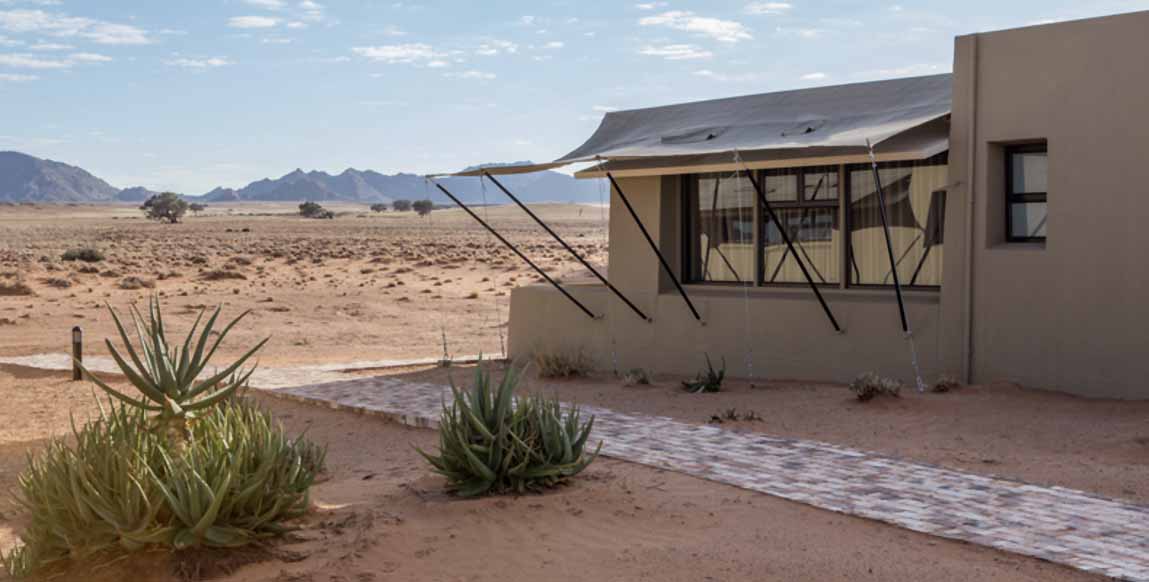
[{"x": 1026, "y": 192}]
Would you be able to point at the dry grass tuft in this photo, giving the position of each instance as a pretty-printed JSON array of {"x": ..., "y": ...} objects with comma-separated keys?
[{"x": 563, "y": 364}]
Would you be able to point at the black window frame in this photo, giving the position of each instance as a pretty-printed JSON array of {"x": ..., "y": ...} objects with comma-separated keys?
[
  {"x": 942, "y": 159},
  {"x": 841, "y": 203},
  {"x": 800, "y": 203},
  {"x": 1012, "y": 197}
]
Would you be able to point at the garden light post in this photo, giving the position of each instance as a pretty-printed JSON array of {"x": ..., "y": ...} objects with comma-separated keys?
[{"x": 77, "y": 353}]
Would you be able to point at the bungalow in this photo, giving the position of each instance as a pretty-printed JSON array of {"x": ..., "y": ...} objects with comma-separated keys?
[{"x": 986, "y": 224}]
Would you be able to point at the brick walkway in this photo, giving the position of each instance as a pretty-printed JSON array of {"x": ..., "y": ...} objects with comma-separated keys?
[{"x": 1069, "y": 527}]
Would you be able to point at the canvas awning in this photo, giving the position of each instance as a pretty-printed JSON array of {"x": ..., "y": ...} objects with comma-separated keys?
[{"x": 902, "y": 118}]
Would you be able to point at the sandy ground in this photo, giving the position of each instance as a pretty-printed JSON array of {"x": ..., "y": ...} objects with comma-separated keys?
[
  {"x": 365, "y": 286},
  {"x": 1036, "y": 436},
  {"x": 381, "y": 514}
]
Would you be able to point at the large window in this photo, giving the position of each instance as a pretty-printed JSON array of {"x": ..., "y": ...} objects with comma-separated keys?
[
  {"x": 915, "y": 210},
  {"x": 720, "y": 210},
  {"x": 806, "y": 203},
  {"x": 1026, "y": 184},
  {"x": 731, "y": 238}
]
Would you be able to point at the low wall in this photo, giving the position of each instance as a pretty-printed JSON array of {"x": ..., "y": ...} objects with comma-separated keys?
[{"x": 788, "y": 335}]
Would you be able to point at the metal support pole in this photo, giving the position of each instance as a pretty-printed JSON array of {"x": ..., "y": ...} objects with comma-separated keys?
[
  {"x": 889, "y": 245},
  {"x": 653, "y": 247},
  {"x": 514, "y": 250},
  {"x": 790, "y": 249},
  {"x": 77, "y": 353},
  {"x": 569, "y": 249}
]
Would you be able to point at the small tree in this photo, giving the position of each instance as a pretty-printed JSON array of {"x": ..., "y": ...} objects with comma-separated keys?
[
  {"x": 423, "y": 207},
  {"x": 165, "y": 207},
  {"x": 401, "y": 205},
  {"x": 380, "y": 207},
  {"x": 311, "y": 209},
  {"x": 197, "y": 208}
]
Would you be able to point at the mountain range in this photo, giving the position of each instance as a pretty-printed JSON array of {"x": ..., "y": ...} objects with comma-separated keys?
[{"x": 25, "y": 178}]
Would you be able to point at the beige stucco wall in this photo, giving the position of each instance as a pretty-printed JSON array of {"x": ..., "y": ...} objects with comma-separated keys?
[
  {"x": 788, "y": 335},
  {"x": 1072, "y": 314}
]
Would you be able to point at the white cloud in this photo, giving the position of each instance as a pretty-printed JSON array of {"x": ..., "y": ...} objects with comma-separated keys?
[
  {"x": 815, "y": 77},
  {"x": 684, "y": 20},
  {"x": 807, "y": 33},
  {"x": 906, "y": 71},
  {"x": 437, "y": 64},
  {"x": 268, "y": 4},
  {"x": 479, "y": 75},
  {"x": 676, "y": 52},
  {"x": 252, "y": 22},
  {"x": 51, "y": 46},
  {"x": 554, "y": 44},
  {"x": 62, "y": 25},
  {"x": 296, "y": 24},
  {"x": 312, "y": 11},
  {"x": 198, "y": 63},
  {"x": 30, "y": 61},
  {"x": 16, "y": 78},
  {"x": 650, "y": 5},
  {"x": 394, "y": 31},
  {"x": 89, "y": 58},
  {"x": 604, "y": 108},
  {"x": 494, "y": 47},
  {"x": 758, "y": 8},
  {"x": 727, "y": 77},
  {"x": 398, "y": 53}
]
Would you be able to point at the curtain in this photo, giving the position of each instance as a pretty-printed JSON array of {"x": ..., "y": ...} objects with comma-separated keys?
[
  {"x": 722, "y": 215},
  {"x": 915, "y": 209}
]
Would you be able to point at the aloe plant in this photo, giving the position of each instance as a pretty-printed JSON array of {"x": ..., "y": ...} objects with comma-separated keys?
[
  {"x": 491, "y": 442},
  {"x": 117, "y": 486},
  {"x": 168, "y": 375},
  {"x": 708, "y": 381}
]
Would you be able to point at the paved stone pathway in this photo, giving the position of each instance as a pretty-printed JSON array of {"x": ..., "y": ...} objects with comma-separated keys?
[{"x": 1069, "y": 527}]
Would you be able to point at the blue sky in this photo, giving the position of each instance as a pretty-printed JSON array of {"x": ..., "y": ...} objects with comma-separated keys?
[{"x": 190, "y": 95}]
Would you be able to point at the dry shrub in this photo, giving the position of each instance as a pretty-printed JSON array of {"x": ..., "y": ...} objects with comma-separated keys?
[
  {"x": 565, "y": 363},
  {"x": 221, "y": 274},
  {"x": 15, "y": 289},
  {"x": 869, "y": 385},
  {"x": 133, "y": 283},
  {"x": 945, "y": 383},
  {"x": 57, "y": 282},
  {"x": 87, "y": 255}
]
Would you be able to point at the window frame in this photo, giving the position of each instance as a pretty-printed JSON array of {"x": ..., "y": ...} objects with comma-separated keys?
[
  {"x": 688, "y": 188},
  {"x": 1012, "y": 197},
  {"x": 799, "y": 204},
  {"x": 941, "y": 159}
]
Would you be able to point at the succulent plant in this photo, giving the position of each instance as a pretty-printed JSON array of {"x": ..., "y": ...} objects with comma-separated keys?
[
  {"x": 167, "y": 375},
  {"x": 708, "y": 381},
  {"x": 492, "y": 442}
]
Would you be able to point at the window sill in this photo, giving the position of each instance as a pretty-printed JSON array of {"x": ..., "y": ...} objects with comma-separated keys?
[{"x": 803, "y": 292}]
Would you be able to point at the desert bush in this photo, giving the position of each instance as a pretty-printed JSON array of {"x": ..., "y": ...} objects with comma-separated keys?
[
  {"x": 945, "y": 383},
  {"x": 636, "y": 377},
  {"x": 57, "y": 282},
  {"x": 87, "y": 255},
  {"x": 423, "y": 207},
  {"x": 165, "y": 207},
  {"x": 123, "y": 487},
  {"x": 709, "y": 380},
  {"x": 221, "y": 275},
  {"x": 491, "y": 442},
  {"x": 379, "y": 207},
  {"x": 15, "y": 289},
  {"x": 563, "y": 363},
  {"x": 132, "y": 283},
  {"x": 401, "y": 205},
  {"x": 314, "y": 210},
  {"x": 167, "y": 374},
  {"x": 870, "y": 384},
  {"x": 197, "y": 208}
]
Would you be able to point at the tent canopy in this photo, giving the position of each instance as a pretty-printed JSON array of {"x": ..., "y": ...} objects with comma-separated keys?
[{"x": 804, "y": 123}]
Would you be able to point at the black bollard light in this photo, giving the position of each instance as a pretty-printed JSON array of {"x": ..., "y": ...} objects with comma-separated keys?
[{"x": 77, "y": 353}]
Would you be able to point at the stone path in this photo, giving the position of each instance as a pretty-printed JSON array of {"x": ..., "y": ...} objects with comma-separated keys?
[{"x": 1069, "y": 527}]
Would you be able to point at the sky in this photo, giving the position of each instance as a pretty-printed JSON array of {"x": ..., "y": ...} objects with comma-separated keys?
[{"x": 190, "y": 95}]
